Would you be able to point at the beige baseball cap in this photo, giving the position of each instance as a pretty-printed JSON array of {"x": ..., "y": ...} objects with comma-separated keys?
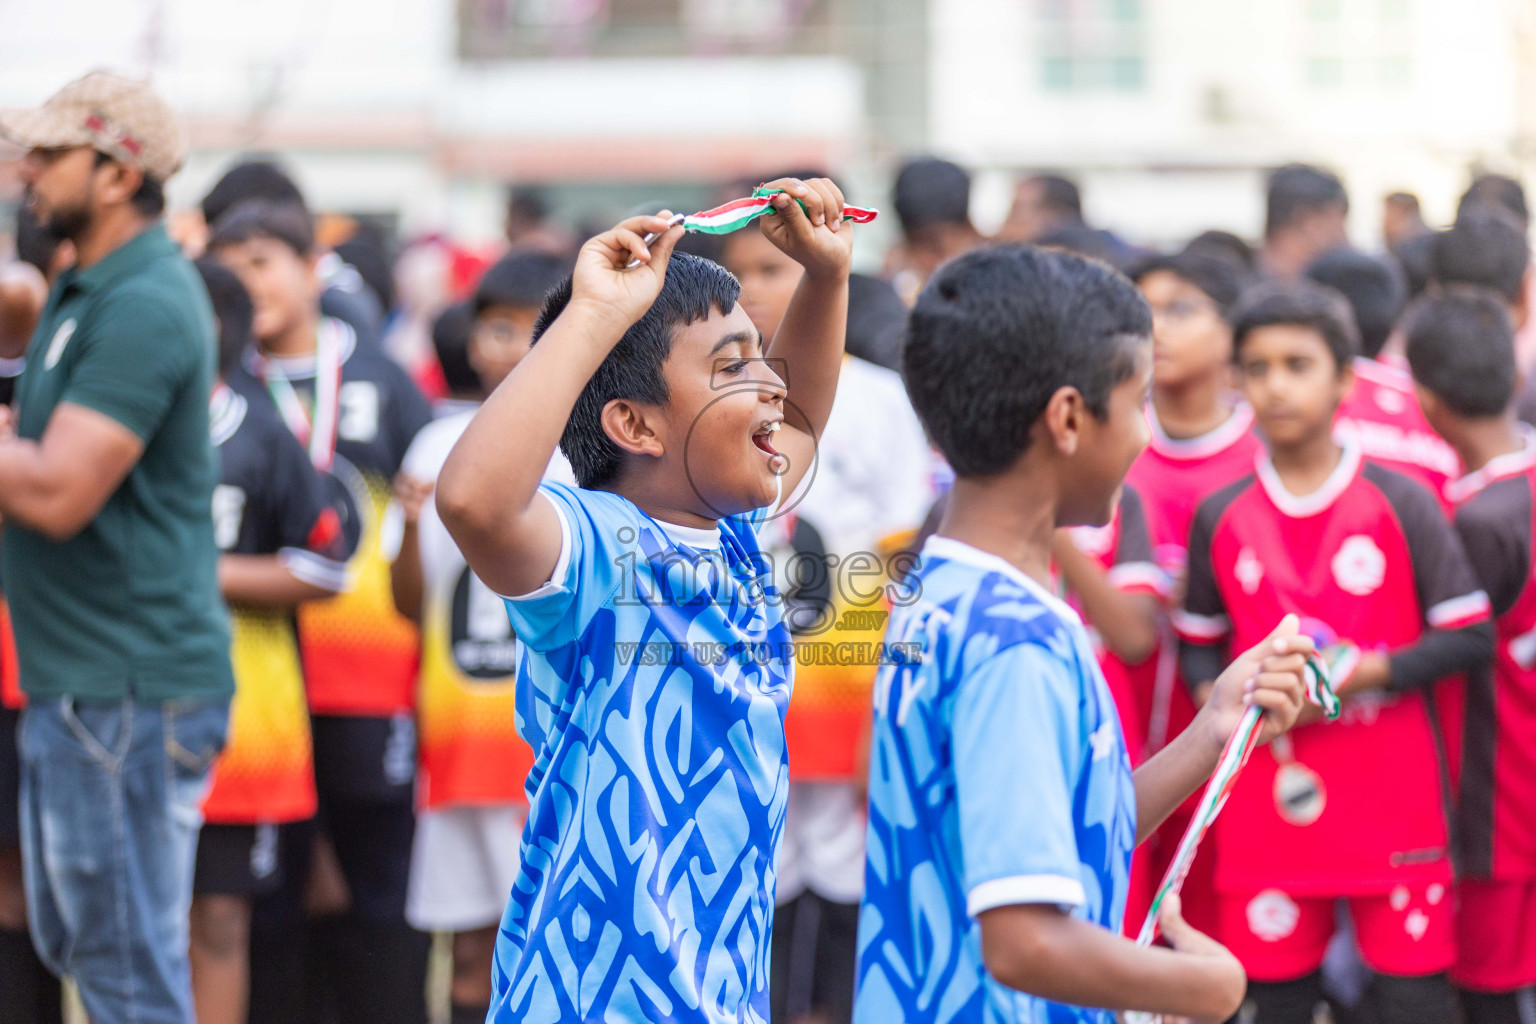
[{"x": 121, "y": 117}]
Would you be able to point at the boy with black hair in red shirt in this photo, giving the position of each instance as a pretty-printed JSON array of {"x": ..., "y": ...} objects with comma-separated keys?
[
  {"x": 1462, "y": 351},
  {"x": 1350, "y": 810}
]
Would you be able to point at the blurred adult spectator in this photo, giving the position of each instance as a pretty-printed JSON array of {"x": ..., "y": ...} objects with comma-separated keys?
[
  {"x": 932, "y": 198},
  {"x": 1305, "y": 216},
  {"x": 1042, "y": 204},
  {"x": 1401, "y": 219},
  {"x": 107, "y": 476},
  {"x": 528, "y": 225}
]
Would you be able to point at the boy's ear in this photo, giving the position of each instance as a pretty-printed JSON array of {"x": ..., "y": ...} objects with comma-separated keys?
[
  {"x": 1063, "y": 419},
  {"x": 627, "y": 425}
]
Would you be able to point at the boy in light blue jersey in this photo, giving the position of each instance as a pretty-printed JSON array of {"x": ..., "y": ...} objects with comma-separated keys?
[
  {"x": 1003, "y": 809},
  {"x": 657, "y": 668}
]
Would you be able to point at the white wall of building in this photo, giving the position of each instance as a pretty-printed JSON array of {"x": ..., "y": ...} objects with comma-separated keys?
[
  {"x": 1393, "y": 94},
  {"x": 368, "y": 103}
]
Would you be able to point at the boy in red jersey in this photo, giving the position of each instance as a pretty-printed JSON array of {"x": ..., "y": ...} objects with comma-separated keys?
[
  {"x": 1202, "y": 440},
  {"x": 1112, "y": 581},
  {"x": 1349, "y": 810},
  {"x": 1461, "y": 348},
  {"x": 1381, "y": 410}
]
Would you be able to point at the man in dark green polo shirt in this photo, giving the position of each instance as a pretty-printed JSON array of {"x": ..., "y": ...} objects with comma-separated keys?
[{"x": 109, "y": 561}]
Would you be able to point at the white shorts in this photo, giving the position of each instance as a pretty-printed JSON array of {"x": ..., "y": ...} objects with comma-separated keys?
[{"x": 463, "y": 865}]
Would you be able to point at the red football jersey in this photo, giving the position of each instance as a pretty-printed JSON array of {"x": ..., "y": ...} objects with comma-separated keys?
[
  {"x": 1352, "y": 807},
  {"x": 1496, "y": 815},
  {"x": 1123, "y": 549},
  {"x": 1383, "y": 413},
  {"x": 1173, "y": 477}
]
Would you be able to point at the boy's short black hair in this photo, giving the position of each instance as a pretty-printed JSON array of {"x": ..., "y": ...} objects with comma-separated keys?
[
  {"x": 1498, "y": 191},
  {"x": 288, "y": 223},
  {"x": 931, "y": 191},
  {"x": 450, "y": 339},
  {"x": 1374, "y": 288},
  {"x": 1224, "y": 245},
  {"x": 233, "y": 309},
  {"x": 1296, "y": 190},
  {"x": 633, "y": 369},
  {"x": 1298, "y": 304},
  {"x": 1220, "y": 278},
  {"x": 248, "y": 180},
  {"x": 1486, "y": 247},
  {"x": 1461, "y": 347},
  {"x": 998, "y": 330},
  {"x": 1416, "y": 257},
  {"x": 520, "y": 278}
]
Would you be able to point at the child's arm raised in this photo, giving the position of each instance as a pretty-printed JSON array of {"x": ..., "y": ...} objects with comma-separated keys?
[
  {"x": 1040, "y": 949},
  {"x": 808, "y": 348},
  {"x": 485, "y": 494}
]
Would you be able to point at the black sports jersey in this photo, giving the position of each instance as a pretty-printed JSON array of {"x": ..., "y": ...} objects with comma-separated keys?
[
  {"x": 360, "y": 655},
  {"x": 269, "y": 501}
]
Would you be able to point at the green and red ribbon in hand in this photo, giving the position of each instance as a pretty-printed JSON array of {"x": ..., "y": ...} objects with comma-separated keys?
[
  {"x": 737, "y": 214},
  {"x": 1234, "y": 756}
]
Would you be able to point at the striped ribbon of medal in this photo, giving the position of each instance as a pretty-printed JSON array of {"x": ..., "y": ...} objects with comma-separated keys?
[
  {"x": 1234, "y": 756},
  {"x": 315, "y": 427}
]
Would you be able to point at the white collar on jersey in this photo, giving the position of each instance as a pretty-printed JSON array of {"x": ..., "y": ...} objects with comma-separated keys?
[
  {"x": 1458, "y": 491},
  {"x": 690, "y": 536},
  {"x": 1207, "y": 444},
  {"x": 1301, "y": 506},
  {"x": 301, "y": 367},
  {"x": 226, "y": 411},
  {"x": 959, "y": 551}
]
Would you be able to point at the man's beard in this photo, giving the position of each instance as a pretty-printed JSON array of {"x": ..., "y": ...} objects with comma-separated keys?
[{"x": 66, "y": 223}]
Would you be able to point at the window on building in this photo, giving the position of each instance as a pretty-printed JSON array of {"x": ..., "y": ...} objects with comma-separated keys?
[
  {"x": 1092, "y": 45},
  {"x": 1325, "y": 72}
]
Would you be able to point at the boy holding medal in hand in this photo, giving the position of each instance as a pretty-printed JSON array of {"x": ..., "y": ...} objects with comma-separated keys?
[{"x": 1348, "y": 810}]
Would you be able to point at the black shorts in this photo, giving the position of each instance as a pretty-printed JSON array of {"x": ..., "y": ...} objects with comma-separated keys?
[
  {"x": 242, "y": 860},
  {"x": 10, "y": 779},
  {"x": 365, "y": 760},
  {"x": 814, "y": 953}
]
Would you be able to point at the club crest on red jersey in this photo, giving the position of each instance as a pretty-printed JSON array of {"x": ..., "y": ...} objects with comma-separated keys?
[
  {"x": 1359, "y": 568},
  {"x": 1249, "y": 571}
]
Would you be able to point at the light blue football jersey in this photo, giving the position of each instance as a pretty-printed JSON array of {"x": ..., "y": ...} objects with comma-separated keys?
[
  {"x": 998, "y": 776},
  {"x": 654, "y": 682}
]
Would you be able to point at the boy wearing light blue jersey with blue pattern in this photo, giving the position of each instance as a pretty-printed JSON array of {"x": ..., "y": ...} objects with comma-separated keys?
[
  {"x": 1003, "y": 809},
  {"x": 657, "y": 667}
]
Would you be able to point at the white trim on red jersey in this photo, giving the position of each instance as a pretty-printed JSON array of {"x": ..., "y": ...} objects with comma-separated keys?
[
  {"x": 1303, "y": 506},
  {"x": 1207, "y": 444},
  {"x": 1513, "y": 464}
]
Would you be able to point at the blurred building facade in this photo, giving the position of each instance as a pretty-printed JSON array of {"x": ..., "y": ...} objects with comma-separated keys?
[{"x": 420, "y": 112}]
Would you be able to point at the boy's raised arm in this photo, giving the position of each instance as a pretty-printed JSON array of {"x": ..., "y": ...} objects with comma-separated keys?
[
  {"x": 807, "y": 351},
  {"x": 485, "y": 494}
]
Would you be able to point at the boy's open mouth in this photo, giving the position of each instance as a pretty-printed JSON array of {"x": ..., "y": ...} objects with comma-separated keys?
[{"x": 763, "y": 437}]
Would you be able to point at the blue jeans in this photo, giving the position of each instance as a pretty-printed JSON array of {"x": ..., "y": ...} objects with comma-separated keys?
[{"x": 110, "y": 797}]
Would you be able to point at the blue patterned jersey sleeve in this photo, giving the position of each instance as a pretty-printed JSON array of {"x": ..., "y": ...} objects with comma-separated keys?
[
  {"x": 1017, "y": 733},
  {"x": 597, "y": 546}
]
